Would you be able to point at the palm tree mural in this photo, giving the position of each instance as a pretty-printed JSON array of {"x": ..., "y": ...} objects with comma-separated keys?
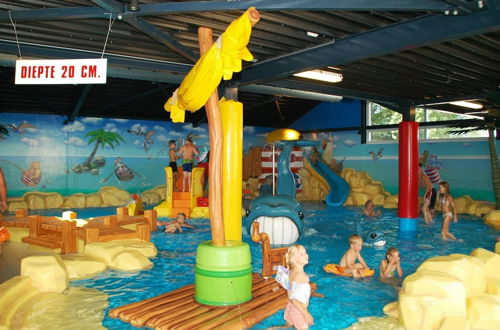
[
  {"x": 491, "y": 123},
  {"x": 101, "y": 138},
  {"x": 3, "y": 132}
]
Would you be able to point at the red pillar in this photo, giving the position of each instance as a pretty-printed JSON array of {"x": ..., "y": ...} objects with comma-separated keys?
[{"x": 408, "y": 176}]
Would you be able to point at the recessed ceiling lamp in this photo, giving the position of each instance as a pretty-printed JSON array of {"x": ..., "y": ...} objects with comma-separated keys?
[
  {"x": 312, "y": 34},
  {"x": 467, "y": 104},
  {"x": 321, "y": 75}
]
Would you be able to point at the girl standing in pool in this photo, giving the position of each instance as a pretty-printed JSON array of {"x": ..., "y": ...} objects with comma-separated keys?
[
  {"x": 449, "y": 210},
  {"x": 296, "y": 313}
]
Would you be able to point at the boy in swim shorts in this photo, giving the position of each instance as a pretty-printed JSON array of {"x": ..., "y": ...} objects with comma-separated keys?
[
  {"x": 188, "y": 150},
  {"x": 348, "y": 261}
]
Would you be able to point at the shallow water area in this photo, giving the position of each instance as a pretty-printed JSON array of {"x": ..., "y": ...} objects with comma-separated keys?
[{"x": 325, "y": 238}]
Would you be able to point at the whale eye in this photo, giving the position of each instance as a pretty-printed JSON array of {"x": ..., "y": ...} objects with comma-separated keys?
[
  {"x": 301, "y": 215},
  {"x": 247, "y": 212}
]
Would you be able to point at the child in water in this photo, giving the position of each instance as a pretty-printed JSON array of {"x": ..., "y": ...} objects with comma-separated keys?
[
  {"x": 177, "y": 224},
  {"x": 390, "y": 264},
  {"x": 348, "y": 261},
  {"x": 449, "y": 210},
  {"x": 296, "y": 313},
  {"x": 369, "y": 210}
]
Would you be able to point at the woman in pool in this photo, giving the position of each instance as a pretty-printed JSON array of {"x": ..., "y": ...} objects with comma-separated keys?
[
  {"x": 391, "y": 264},
  {"x": 449, "y": 210},
  {"x": 296, "y": 313}
]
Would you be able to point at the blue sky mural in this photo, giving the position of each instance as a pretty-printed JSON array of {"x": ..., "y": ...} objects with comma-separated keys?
[
  {"x": 40, "y": 153},
  {"x": 465, "y": 164}
]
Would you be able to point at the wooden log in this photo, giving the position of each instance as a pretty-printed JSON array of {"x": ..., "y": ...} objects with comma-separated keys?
[
  {"x": 35, "y": 222},
  {"x": 258, "y": 304},
  {"x": 137, "y": 311},
  {"x": 115, "y": 312},
  {"x": 215, "y": 163},
  {"x": 253, "y": 317},
  {"x": 68, "y": 239},
  {"x": 122, "y": 212},
  {"x": 173, "y": 324},
  {"x": 158, "y": 320},
  {"x": 91, "y": 235},
  {"x": 152, "y": 217},
  {"x": 143, "y": 232},
  {"x": 21, "y": 213},
  {"x": 267, "y": 266},
  {"x": 166, "y": 309}
]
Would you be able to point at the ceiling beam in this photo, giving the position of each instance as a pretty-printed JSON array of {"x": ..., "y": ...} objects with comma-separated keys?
[
  {"x": 311, "y": 5},
  {"x": 142, "y": 25},
  {"x": 392, "y": 38},
  {"x": 127, "y": 100},
  {"x": 47, "y": 52},
  {"x": 438, "y": 100},
  {"x": 197, "y": 6},
  {"x": 324, "y": 89},
  {"x": 162, "y": 37}
]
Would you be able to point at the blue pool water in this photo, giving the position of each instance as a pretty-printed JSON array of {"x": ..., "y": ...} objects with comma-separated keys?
[{"x": 325, "y": 239}]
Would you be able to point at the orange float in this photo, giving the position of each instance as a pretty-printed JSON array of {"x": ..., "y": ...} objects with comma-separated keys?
[{"x": 340, "y": 271}]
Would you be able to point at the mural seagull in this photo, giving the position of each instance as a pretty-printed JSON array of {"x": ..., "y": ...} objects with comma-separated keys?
[
  {"x": 377, "y": 155},
  {"x": 148, "y": 136},
  {"x": 21, "y": 129}
]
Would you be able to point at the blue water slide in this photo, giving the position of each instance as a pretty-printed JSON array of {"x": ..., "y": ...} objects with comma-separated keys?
[{"x": 339, "y": 188}]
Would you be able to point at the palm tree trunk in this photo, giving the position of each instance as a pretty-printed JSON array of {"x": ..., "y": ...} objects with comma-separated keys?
[
  {"x": 92, "y": 154},
  {"x": 495, "y": 168}
]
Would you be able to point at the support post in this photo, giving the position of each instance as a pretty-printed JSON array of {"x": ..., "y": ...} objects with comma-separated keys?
[
  {"x": 408, "y": 176},
  {"x": 232, "y": 154},
  {"x": 215, "y": 171},
  {"x": 68, "y": 238},
  {"x": 362, "y": 130}
]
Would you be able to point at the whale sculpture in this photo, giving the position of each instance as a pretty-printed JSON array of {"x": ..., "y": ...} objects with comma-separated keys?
[{"x": 280, "y": 215}]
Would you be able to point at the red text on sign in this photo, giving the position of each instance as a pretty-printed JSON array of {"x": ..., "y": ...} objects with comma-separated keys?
[{"x": 37, "y": 71}]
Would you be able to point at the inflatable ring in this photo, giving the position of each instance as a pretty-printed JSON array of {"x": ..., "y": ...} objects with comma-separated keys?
[
  {"x": 340, "y": 271},
  {"x": 4, "y": 234}
]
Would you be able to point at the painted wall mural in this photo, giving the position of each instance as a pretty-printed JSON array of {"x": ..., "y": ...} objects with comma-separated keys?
[
  {"x": 464, "y": 164},
  {"x": 42, "y": 154}
]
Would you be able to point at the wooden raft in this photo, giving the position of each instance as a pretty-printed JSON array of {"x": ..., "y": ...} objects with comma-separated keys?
[{"x": 178, "y": 309}]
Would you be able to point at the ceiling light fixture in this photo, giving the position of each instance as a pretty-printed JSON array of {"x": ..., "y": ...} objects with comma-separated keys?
[
  {"x": 312, "y": 34},
  {"x": 467, "y": 104},
  {"x": 321, "y": 75}
]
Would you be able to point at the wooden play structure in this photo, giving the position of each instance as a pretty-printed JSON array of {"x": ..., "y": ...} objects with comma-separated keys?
[
  {"x": 252, "y": 163},
  {"x": 53, "y": 233},
  {"x": 181, "y": 202},
  {"x": 178, "y": 310},
  {"x": 271, "y": 257}
]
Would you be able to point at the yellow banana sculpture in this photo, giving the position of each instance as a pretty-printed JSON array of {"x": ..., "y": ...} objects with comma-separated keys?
[{"x": 223, "y": 58}]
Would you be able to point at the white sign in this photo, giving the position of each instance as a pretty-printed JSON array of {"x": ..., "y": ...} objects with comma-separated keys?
[{"x": 61, "y": 72}]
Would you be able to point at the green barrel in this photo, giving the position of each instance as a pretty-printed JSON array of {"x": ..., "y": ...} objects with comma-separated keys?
[{"x": 223, "y": 274}]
